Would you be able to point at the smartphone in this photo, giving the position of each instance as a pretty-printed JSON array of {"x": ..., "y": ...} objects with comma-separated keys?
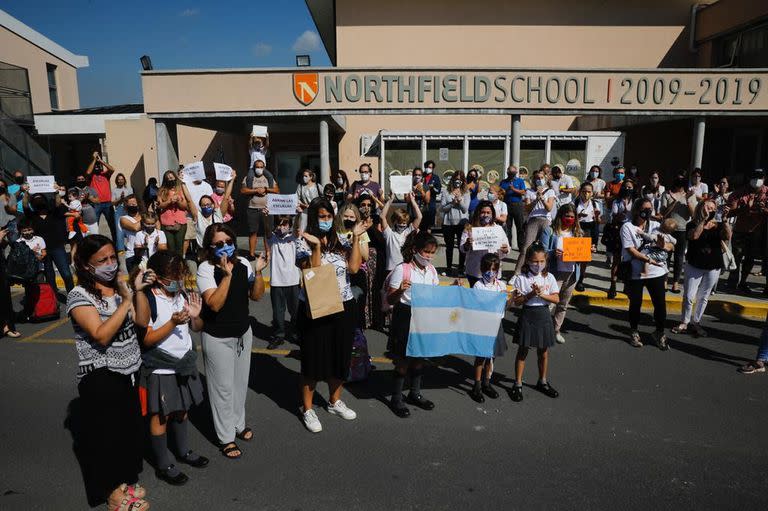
[{"x": 147, "y": 276}]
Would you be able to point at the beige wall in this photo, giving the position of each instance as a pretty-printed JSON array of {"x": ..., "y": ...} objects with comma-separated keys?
[
  {"x": 20, "y": 52},
  {"x": 198, "y": 144},
  {"x": 523, "y": 33},
  {"x": 131, "y": 146}
]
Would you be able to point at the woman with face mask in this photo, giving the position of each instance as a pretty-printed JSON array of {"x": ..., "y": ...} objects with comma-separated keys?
[
  {"x": 420, "y": 192},
  {"x": 642, "y": 271},
  {"x": 483, "y": 219},
  {"x": 654, "y": 191},
  {"x": 102, "y": 311},
  {"x": 340, "y": 183},
  {"x": 678, "y": 203},
  {"x": 130, "y": 224},
  {"x": 621, "y": 213},
  {"x": 541, "y": 203},
  {"x": 697, "y": 186},
  {"x": 455, "y": 209},
  {"x": 219, "y": 189},
  {"x": 8, "y": 212},
  {"x": 326, "y": 342},
  {"x": 588, "y": 216},
  {"x": 307, "y": 191},
  {"x": 166, "y": 311},
  {"x": 120, "y": 191},
  {"x": 375, "y": 267},
  {"x": 473, "y": 186},
  {"x": 496, "y": 197},
  {"x": 173, "y": 209},
  {"x": 366, "y": 186},
  {"x": 227, "y": 282},
  {"x": 206, "y": 212}
]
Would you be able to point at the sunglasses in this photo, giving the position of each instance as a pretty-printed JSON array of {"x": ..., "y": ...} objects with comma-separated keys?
[{"x": 220, "y": 244}]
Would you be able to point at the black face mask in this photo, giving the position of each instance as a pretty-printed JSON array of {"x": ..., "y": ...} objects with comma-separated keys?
[
  {"x": 80, "y": 184},
  {"x": 2, "y": 190},
  {"x": 645, "y": 214},
  {"x": 19, "y": 180},
  {"x": 132, "y": 210},
  {"x": 348, "y": 224},
  {"x": 40, "y": 206}
]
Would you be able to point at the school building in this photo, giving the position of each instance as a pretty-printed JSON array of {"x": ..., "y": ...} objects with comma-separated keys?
[{"x": 661, "y": 84}]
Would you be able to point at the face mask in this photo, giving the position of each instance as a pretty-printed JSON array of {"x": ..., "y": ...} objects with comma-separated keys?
[
  {"x": 594, "y": 174},
  {"x": 401, "y": 227},
  {"x": 423, "y": 261},
  {"x": 535, "y": 268},
  {"x": 567, "y": 222},
  {"x": 170, "y": 183},
  {"x": 485, "y": 219},
  {"x": 471, "y": 178},
  {"x": 226, "y": 250},
  {"x": 259, "y": 171},
  {"x": 132, "y": 210},
  {"x": 62, "y": 193},
  {"x": 457, "y": 183},
  {"x": 489, "y": 276},
  {"x": 283, "y": 230},
  {"x": 417, "y": 179},
  {"x": 428, "y": 170},
  {"x": 2, "y": 190},
  {"x": 645, "y": 214},
  {"x": 619, "y": 177},
  {"x": 349, "y": 224},
  {"x": 365, "y": 211},
  {"x": 40, "y": 206},
  {"x": 540, "y": 183},
  {"x": 80, "y": 184},
  {"x": 512, "y": 174},
  {"x": 696, "y": 179},
  {"x": 174, "y": 287},
  {"x": 365, "y": 176},
  {"x": 105, "y": 273},
  {"x": 757, "y": 182},
  {"x": 149, "y": 229},
  {"x": 492, "y": 197},
  {"x": 340, "y": 181},
  {"x": 219, "y": 191},
  {"x": 325, "y": 225},
  {"x": 711, "y": 215},
  {"x": 27, "y": 235},
  {"x": 626, "y": 193},
  {"x": 207, "y": 211},
  {"x": 19, "y": 180},
  {"x": 305, "y": 179}
]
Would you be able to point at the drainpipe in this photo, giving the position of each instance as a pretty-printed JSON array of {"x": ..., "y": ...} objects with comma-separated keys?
[{"x": 695, "y": 8}]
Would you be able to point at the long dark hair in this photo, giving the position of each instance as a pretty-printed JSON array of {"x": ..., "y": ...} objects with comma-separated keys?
[
  {"x": 415, "y": 241},
  {"x": 535, "y": 248},
  {"x": 476, "y": 214},
  {"x": 208, "y": 253},
  {"x": 313, "y": 225},
  {"x": 637, "y": 206},
  {"x": 85, "y": 250},
  {"x": 167, "y": 264}
]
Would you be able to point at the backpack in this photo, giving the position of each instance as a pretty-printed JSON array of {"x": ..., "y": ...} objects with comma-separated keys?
[
  {"x": 46, "y": 307},
  {"x": 360, "y": 364},
  {"x": 21, "y": 265},
  {"x": 407, "y": 268}
]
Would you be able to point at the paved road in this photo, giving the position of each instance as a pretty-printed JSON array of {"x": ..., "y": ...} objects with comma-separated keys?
[{"x": 633, "y": 429}]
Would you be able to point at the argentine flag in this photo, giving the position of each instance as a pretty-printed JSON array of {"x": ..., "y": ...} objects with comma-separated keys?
[{"x": 454, "y": 320}]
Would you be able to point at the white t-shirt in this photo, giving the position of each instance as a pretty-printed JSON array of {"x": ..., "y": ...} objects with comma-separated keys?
[
  {"x": 426, "y": 276},
  {"x": 206, "y": 279},
  {"x": 538, "y": 205},
  {"x": 202, "y": 223},
  {"x": 149, "y": 241},
  {"x": 500, "y": 207},
  {"x": 257, "y": 155},
  {"x": 36, "y": 244},
  {"x": 598, "y": 185},
  {"x": 117, "y": 192},
  {"x": 586, "y": 208},
  {"x": 339, "y": 262},
  {"x": 472, "y": 262},
  {"x": 561, "y": 266},
  {"x": 197, "y": 191},
  {"x": 565, "y": 182},
  {"x": 523, "y": 284},
  {"x": 700, "y": 189},
  {"x": 631, "y": 238},
  {"x": 394, "y": 245},
  {"x": 497, "y": 285},
  {"x": 655, "y": 198},
  {"x": 178, "y": 342},
  {"x": 129, "y": 236},
  {"x": 283, "y": 271}
]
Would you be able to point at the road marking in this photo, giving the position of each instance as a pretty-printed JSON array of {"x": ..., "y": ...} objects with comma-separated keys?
[{"x": 43, "y": 331}]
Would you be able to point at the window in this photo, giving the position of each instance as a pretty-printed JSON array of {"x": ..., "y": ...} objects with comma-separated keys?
[
  {"x": 52, "y": 90},
  {"x": 571, "y": 154},
  {"x": 448, "y": 156},
  {"x": 748, "y": 48},
  {"x": 532, "y": 154},
  {"x": 488, "y": 155}
]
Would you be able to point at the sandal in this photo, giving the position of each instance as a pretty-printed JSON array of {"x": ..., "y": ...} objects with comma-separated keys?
[
  {"x": 229, "y": 448},
  {"x": 680, "y": 329},
  {"x": 130, "y": 504},
  {"x": 13, "y": 334},
  {"x": 245, "y": 435},
  {"x": 134, "y": 490}
]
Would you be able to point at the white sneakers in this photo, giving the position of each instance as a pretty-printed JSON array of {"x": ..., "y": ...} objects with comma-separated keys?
[
  {"x": 312, "y": 423},
  {"x": 559, "y": 338}
]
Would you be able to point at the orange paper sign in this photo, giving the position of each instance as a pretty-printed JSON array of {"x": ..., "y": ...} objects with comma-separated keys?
[{"x": 577, "y": 250}]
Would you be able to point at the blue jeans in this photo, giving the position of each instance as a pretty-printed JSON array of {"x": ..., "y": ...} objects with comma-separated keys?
[
  {"x": 105, "y": 209},
  {"x": 284, "y": 299},
  {"x": 762, "y": 350},
  {"x": 119, "y": 236},
  {"x": 58, "y": 256}
]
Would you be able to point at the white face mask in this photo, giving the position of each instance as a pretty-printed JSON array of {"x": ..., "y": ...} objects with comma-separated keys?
[
  {"x": 594, "y": 174},
  {"x": 305, "y": 179},
  {"x": 428, "y": 170},
  {"x": 492, "y": 197},
  {"x": 756, "y": 182},
  {"x": 365, "y": 176},
  {"x": 535, "y": 268},
  {"x": 340, "y": 181},
  {"x": 259, "y": 171}
]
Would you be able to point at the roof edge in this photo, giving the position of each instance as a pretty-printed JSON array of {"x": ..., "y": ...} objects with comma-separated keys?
[
  {"x": 33, "y": 36},
  {"x": 327, "y": 34}
]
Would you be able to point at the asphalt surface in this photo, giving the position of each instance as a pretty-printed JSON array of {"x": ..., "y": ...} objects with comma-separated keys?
[{"x": 632, "y": 429}]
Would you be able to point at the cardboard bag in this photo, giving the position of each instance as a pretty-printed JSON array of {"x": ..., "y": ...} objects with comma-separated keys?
[{"x": 322, "y": 288}]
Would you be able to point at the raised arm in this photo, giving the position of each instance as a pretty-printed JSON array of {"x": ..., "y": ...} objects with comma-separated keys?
[
  {"x": 385, "y": 212},
  {"x": 417, "y": 216}
]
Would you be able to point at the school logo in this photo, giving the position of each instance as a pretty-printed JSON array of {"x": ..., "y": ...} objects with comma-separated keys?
[{"x": 305, "y": 87}]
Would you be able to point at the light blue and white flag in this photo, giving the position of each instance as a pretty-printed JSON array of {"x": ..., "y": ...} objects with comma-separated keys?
[{"x": 454, "y": 320}]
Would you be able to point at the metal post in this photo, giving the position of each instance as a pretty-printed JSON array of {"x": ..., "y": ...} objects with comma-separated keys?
[
  {"x": 515, "y": 140},
  {"x": 507, "y": 154},
  {"x": 423, "y": 151},
  {"x": 548, "y": 150},
  {"x": 325, "y": 154},
  {"x": 697, "y": 154},
  {"x": 383, "y": 182},
  {"x": 465, "y": 160}
]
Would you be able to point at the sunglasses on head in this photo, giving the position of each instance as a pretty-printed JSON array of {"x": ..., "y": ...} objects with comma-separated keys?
[{"x": 220, "y": 244}]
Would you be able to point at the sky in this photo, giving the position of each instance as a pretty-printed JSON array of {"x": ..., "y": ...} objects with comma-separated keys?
[{"x": 175, "y": 34}]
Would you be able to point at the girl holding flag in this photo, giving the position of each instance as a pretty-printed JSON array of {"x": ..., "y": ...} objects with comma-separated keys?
[{"x": 417, "y": 268}]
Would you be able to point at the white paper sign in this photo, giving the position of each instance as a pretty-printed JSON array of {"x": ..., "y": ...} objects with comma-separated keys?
[
  {"x": 443, "y": 154},
  {"x": 282, "y": 204},
  {"x": 259, "y": 131},
  {"x": 194, "y": 171},
  {"x": 487, "y": 238},
  {"x": 223, "y": 172},
  {"x": 41, "y": 184},
  {"x": 400, "y": 184}
]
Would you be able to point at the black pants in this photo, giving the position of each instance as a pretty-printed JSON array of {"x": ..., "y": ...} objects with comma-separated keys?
[
  {"x": 657, "y": 288},
  {"x": 112, "y": 431},
  {"x": 516, "y": 215},
  {"x": 452, "y": 235},
  {"x": 591, "y": 229},
  {"x": 284, "y": 299},
  {"x": 746, "y": 247},
  {"x": 679, "y": 253},
  {"x": 7, "y": 316}
]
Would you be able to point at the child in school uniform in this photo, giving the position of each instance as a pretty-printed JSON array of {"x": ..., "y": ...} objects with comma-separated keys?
[
  {"x": 284, "y": 278},
  {"x": 396, "y": 229},
  {"x": 535, "y": 289},
  {"x": 418, "y": 253},
  {"x": 149, "y": 239},
  {"x": 489, "y": 268},
  {"x": 169, "y": 373}
]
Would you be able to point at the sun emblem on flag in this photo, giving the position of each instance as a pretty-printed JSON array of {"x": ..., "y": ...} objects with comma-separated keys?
[{"x": 454, "y": 317}]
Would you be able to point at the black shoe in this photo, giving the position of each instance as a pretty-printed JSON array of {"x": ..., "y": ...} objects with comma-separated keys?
[
  {"x": 419, "y": 401},
  {"x": 547, "y": 390},
  {"x": 580, "y": 287},
  {"x": 250, "y": 257},
  {"x": 744, "y": 288},
  {"x": 179, "y": 479},
  {"x": 612, "y": 291},
  {"x": 275, "y": 342},
  {"x": 489, "y": 391},
  {"x": 194, "y": 460},
  {"x": 517, "y": 394},
  {"x": 477, "y": 395},
  {"x": 399, "y": 409}
]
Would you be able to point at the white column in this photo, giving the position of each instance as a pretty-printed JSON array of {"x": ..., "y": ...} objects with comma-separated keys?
[
  {"x": 515, "y": 140},
  {"x": 697, "y": 153},
  {"x": 548, "y": 150},
  {"x": 507, "y": 154},
  {"x": 423, "y": 151},
  {"x": 165, "y": 142},
  {"x": 465, "y": 150},
  {"x": 325, "y": 154},
  {"x": 383, "y": 181}
]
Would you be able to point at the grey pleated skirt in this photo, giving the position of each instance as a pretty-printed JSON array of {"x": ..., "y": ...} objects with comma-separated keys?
[
  {"x": 535, "y": 328},
  {"x": 168, "y": 393},
  {"x": 500, "y": 346}
]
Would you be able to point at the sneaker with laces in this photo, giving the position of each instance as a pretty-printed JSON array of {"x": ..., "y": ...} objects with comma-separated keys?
[
  {"x": 341, "y": 409},
  {"x": 634, "y": 340},
  {"x": 311, "y": 422},
  {"x": 757, "y": 366}
]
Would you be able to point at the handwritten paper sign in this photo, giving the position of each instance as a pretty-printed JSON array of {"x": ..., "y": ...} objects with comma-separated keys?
[
  {"x": 577, "y": 250},
  {"x": 259, "y": 131},
  {"x": 194, "y": 171},
  {"x": 223, "y": 172},
  {"x": 41, "y": 184},
  {"x": 400, "y": 185},
  {"x": 282, "y": 204},
  {"x": 487, "y": 238}
]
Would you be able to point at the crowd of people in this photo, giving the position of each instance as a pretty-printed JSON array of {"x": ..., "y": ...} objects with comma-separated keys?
[{"x": 135, "y": 332}]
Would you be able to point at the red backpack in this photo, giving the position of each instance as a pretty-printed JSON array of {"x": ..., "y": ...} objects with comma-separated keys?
[{"x": 46, "y": 307}]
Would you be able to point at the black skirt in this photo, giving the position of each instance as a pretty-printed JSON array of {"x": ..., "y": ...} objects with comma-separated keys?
[
  {"x": 535, "y": 328},
  {"x": 326, "y": 343},
  {"x": 168, "y": 393}
]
